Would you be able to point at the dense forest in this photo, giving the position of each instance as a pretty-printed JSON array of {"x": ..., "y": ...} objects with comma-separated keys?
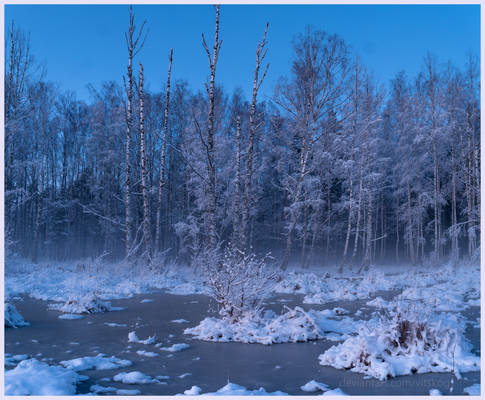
[{"x": 334, "y": 168}]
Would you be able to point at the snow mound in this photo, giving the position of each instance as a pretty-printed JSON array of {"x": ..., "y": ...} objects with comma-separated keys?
[
  {"x": 193, "y": 391},
  {"x": 473, "y": 390},
  {"x": 146, "y": 353},
  {"x": 404, "y": 342},
  {"x": 176, "y": 347},
  {"x": 134, "y": 378},
  {"x": 35, "y": 378},
  {"x": 86, "y": 304},
  {"x": 232, "y": 389},
  {"x": 132, "y": 338},
  {"x": 13, "y": 319},
  {"x": 294, "y": 325},
  {"x": 100, "y": 362},
  {"x": 314, "y": 386},
  {"x": 435, "y": 392}
]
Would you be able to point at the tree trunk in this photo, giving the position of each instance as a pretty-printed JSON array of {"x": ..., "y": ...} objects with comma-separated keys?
[
  {"x": 143, "y": 164},
  {"x": 237, "y": 184},
  {"x": 161, "y": 180},
  {"x": 211, "y": 168},
  {"x": 260, "y": 54}
]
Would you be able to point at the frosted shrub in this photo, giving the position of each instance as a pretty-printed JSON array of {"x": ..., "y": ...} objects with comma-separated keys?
[
  {"x": 409, "y": 339},
  {"x": 239, "y": 281}
]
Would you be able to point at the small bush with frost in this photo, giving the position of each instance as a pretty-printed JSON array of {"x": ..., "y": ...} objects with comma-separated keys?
[{"x": 239, "y": 281}]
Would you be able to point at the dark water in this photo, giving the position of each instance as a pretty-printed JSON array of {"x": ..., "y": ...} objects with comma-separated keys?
[{"x": 283, "y": 367}]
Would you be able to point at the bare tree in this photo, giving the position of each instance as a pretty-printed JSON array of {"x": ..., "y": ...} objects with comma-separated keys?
[
  {"x": 161, "y": 180},
  {"x": 134, "y": 43},
  {"x": 237, "y": 182},
  {"x": 260, "y": 55},
  {"x": 144, "y": 167},
  {"x": 208, "y": 143}
]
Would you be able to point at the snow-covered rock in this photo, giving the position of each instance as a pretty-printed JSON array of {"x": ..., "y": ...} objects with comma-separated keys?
[
  {"x": 13, "y": 319},
  {"x": 35, "y": 378}
]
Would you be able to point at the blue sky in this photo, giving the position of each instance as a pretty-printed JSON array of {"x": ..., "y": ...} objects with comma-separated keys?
[{"x": 81, "y": 44}]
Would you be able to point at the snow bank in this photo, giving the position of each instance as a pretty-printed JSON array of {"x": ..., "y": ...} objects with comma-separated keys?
[
  {"x": 89, "y": 303},
  {"x": 232, "y": 389},
  {"x": 407, "y": 341},
  {"x": 134, "y": 378},
  {"x": 132, "y": 338},
  {"x": 100, "y": 362},
  {"x": 61, "y": 282},
  {"x": 32, "y": 377},
  {"x": 294, "y": 325},
  {"x": 176, "y": 347},
  {"x": 13, "y": 319},
  {"x": 435, "y": 392}
]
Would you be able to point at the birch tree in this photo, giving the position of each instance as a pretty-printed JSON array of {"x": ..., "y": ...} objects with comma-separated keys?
[
  {"x": 161, "y": 180},
  {"x": 260, "y": 55},
  {"x": 134, "y": 42}
]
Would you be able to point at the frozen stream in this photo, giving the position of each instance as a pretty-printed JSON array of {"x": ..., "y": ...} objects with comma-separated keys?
[{"x": 283, "y": 367}]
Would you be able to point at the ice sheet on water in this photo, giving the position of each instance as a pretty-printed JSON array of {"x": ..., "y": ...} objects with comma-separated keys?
[
  {"x": 35, "y": 378},
  {"x": 146, "y": 353},
  {"x": 100, "y": 362},
  {"x": 134, "y": 378},
  {"x": 70, "y": 316},
  {"x": 176, "y": 347}
]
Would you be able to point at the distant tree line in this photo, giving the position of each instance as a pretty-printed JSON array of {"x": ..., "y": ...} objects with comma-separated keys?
[{"x": 332, "y": 169}]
